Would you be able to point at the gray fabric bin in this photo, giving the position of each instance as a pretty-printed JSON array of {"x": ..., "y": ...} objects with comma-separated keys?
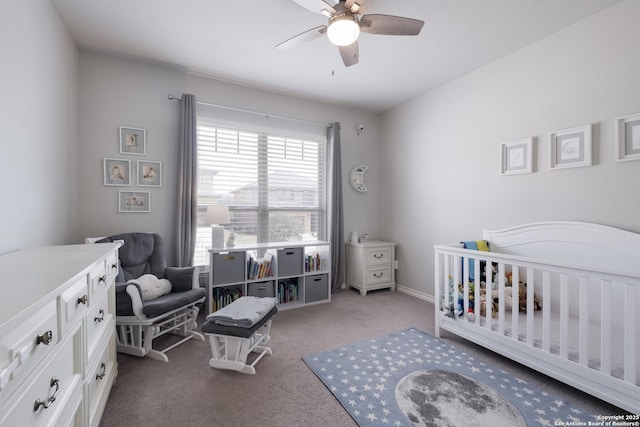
[
  {"x": 228, "y": 267},
  {"x": 315, "y": 288},
  {"x": 289, "y": 262},
  {"x": 262, "y": 289}
]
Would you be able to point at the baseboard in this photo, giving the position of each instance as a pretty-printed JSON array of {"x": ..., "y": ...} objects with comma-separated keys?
[{"x": 414, "y": 293}]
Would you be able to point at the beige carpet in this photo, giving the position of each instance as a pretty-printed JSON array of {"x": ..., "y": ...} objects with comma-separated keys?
[{"x": 284, "y": 392}]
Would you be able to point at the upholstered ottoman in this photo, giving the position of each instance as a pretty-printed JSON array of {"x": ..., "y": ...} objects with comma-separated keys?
[{"x": 232, "y": 341}]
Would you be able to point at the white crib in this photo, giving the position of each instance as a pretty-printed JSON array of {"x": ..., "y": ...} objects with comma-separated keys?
[{"x": 587, "y": 279}]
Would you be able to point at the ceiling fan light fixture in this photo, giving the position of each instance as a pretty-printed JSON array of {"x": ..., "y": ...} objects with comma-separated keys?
[{"x": 343, "y": 30}]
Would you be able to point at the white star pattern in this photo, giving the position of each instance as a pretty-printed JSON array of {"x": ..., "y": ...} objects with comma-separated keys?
[{"x": 364, "y": 377}]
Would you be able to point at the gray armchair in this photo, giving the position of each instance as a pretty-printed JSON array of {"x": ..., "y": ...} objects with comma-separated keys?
[{"x": 140, "y": 321}]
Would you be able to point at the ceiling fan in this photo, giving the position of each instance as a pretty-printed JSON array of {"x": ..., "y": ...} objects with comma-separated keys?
[{"x": 346, "y": 21}]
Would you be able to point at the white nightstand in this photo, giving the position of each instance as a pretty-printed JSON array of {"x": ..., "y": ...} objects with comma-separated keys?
[{"x": 370, "y": 265}]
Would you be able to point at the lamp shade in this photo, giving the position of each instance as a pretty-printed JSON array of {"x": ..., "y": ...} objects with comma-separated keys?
[
  {"x": 218, "y": 214},
  {"x": 343, "y": 30}
]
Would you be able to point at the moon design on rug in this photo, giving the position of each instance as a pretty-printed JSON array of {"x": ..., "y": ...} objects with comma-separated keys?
[{"x": 445, "y": 398}]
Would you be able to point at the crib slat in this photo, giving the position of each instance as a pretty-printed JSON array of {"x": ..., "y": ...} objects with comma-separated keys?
[
  {"x": 501, "y": 302},
  {"x": 630, "y": 359},
  {"x": 515, "y": 302},
  {"x": 583, "y": 319},
  {"x": 445, "y": 280},
  {"x": 465, "y": 290},
  {"x": 456, "y": 280},
  {"x": 546, "y": 310},
  {"x": 476, "y": 297},
  {"x": 488, "y": 289},
  {"x": 530, "y": 286},
  {"x": 564, "y": 316},
  {"x": 605, "y": 327}
]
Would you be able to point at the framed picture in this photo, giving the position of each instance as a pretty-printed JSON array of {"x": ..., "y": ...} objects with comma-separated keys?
[
  {"x": 133, "y": 141},
  {"x": 516, "y": 157},
  {"x": 149, "y": 174},
  {"x": 628, "y": 138},
  {"x": 116, "y": 172},
  {"x": 134, "y": 201},
  {"x": 571, "y": 148}
]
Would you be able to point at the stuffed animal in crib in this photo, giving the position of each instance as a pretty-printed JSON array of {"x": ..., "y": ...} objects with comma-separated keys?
[
  {"x": 460, "y": 307},
  {"x": 508, "y": 300},
  {"x": 483, "y": 273}
]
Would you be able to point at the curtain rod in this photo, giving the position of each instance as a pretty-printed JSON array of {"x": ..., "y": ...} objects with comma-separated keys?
[{"x": 267, "y": 115}]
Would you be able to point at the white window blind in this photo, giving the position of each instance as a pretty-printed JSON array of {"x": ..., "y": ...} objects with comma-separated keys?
[{"x": 274, "y": 185}]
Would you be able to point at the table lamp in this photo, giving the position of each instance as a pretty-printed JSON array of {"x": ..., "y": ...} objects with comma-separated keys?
[{"x": 217, "y": 215}]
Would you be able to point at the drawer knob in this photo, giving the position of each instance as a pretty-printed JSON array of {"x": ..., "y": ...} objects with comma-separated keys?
[
  {"x": 114, "y": 266},
  {"x": 102, "y": 279},
  {"x": 46, "y": 403},
  {"x": 45, "y": 338},
  {"x": 378, "y": 256},
  {"x": 103, "y": 372},
  {"x": 99, "y": 318},
  {"x": 378, "y": 275},
  {"x": 83, "y": 300}
]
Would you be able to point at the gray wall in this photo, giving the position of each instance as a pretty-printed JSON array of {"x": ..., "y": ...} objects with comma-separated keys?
[
  {"x": 39, "y": 143},
  {"x": 440, "y": 180},
  {"x": 117, "y": 92}
]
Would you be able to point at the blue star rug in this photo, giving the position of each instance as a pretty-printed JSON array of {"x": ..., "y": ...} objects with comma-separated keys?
[{"x": 410, "y": 378}]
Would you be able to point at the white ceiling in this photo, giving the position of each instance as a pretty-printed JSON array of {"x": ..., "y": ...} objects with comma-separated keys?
[{"x": 235, "y": 41}]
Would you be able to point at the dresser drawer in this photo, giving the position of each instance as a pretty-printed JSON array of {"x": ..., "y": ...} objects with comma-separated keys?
[
  {"x": 376, "y": 256},
  {"x": 112, "y": 266},
  {"x": 73, "y": 303},
  {"x": 100, "y": 378},
  {"x": 97, "y": 282},
  {"x": 98, "y": 320},
  {"x": 25, "y": 346},
  {"x": 378, "y": 275},
  {"x": 44, "y": 400}
]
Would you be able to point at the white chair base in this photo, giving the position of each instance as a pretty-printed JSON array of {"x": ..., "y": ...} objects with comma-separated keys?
[{"x": 135, "y": 336}]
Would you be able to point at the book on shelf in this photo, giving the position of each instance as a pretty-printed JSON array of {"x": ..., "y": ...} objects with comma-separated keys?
[
  {"x": 224, "y": 296},
  {"x": 314, "y": 263},
  {"x": 259, "y": 268},
  {"x": 287, "y": 291}
]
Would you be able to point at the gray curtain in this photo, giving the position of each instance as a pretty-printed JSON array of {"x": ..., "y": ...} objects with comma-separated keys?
[
  {"x": 336, "y": 217},
  {"x": 187, "y": 203}
]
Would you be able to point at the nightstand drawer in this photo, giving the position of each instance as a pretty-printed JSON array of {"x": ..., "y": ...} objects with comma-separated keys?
[
  {"x": 378, "y": 275},
  {"x": 376, "y": 256}
]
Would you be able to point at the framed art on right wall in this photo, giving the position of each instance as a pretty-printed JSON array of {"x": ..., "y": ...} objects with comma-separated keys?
[
  {"x": 628, "y": 138},
  {"x": 570, "y": 148}
]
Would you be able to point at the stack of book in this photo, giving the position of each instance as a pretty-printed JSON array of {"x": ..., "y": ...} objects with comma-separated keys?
[
  {"x": 314, "y": 263},
  {"x": 259, "y": 268},
  {"x": 287, "y": 290},
  {"x": 224, "y": 296}
]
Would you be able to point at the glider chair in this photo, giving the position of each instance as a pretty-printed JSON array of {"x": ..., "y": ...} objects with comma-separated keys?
[{"x": 147, "y": 305}]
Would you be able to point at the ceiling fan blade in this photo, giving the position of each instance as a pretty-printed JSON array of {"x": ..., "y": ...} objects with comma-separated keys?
[
  {"x": 357, "y": 6},
  {"x": 317, "y": 6},
  {"x": 390, "y": 25},
  {"x": 302, "y": 38},
  {"x": 349, "y": 54}
]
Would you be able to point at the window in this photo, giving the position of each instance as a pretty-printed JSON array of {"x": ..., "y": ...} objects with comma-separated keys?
[{"x": 274, "y": 186}]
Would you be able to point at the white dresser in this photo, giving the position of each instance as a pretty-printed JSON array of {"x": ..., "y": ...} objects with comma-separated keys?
[
  {"x": 57, "y": 342},
  {"x": 371, "y": 265}
]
